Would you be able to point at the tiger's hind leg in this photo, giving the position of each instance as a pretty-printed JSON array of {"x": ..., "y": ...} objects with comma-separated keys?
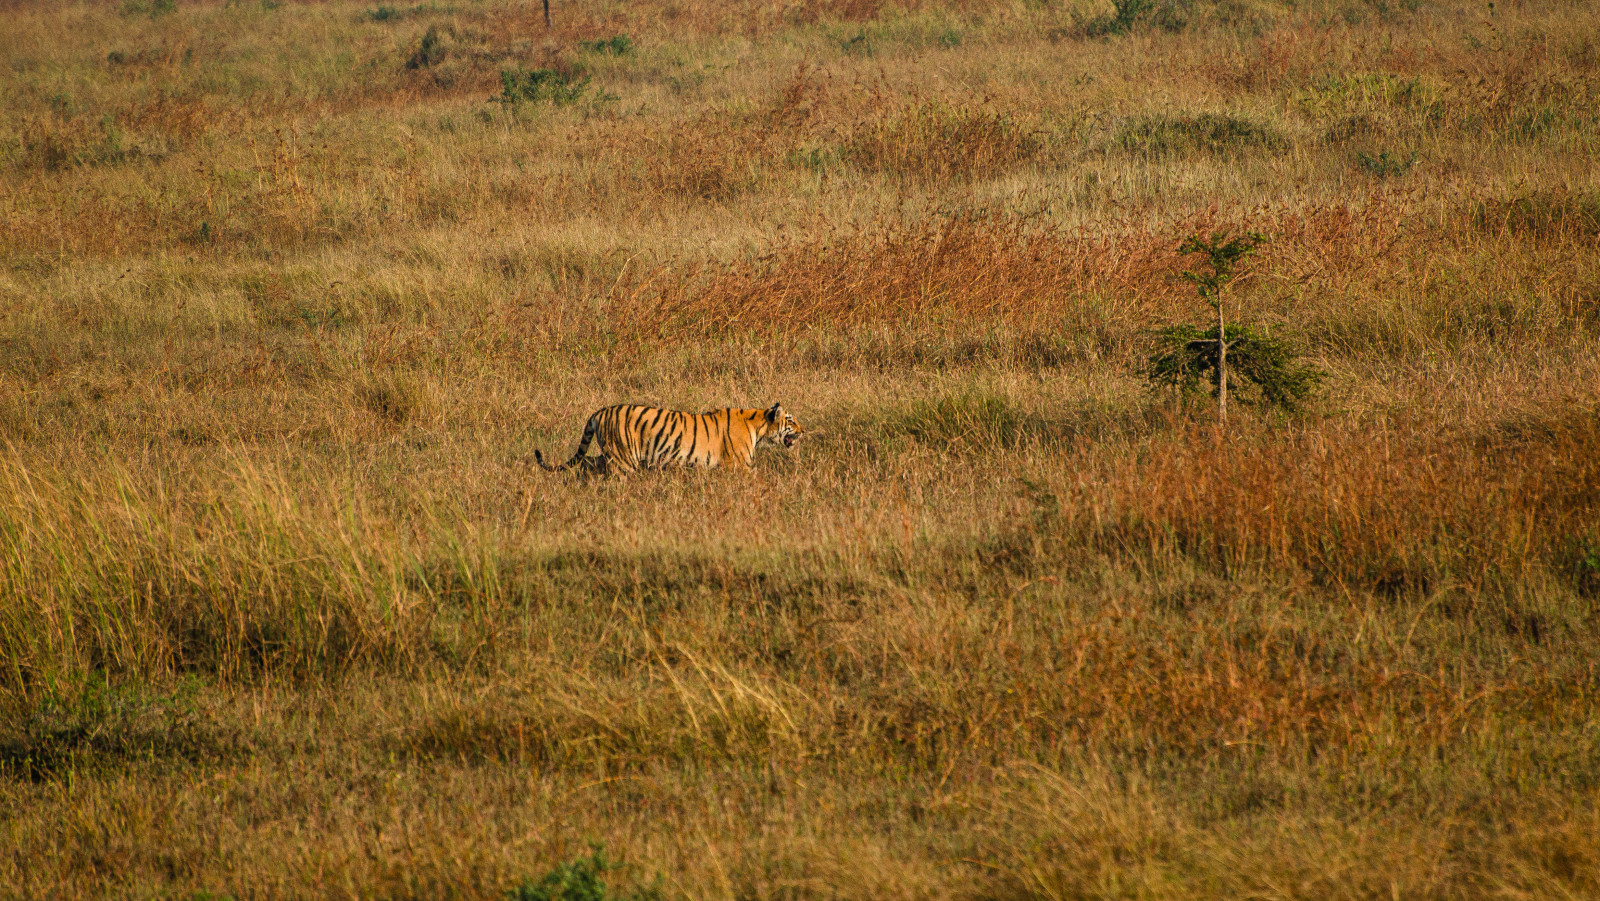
[
  {"x": 592, "y": 467},
  {"x": 602, "y": 466},
  {"x": 616, "y": 466}
]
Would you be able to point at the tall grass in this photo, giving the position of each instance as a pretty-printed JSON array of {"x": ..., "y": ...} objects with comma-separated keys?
[
  {"x": 119, "y": 576},
  {"x": 286, "y": 304}
]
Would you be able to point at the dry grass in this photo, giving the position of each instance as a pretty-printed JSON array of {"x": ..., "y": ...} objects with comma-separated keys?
[{"x": 286, "y": 304}]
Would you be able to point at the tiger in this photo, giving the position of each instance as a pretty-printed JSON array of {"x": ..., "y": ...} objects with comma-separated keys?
[{"x": 634, "y": 437}]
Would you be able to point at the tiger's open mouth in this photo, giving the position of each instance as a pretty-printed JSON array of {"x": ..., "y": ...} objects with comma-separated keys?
[{"x": 789, "y": 440}]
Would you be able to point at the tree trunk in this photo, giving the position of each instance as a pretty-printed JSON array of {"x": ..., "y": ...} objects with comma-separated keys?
[
  {"x": 1222, "y": 367},
  {"x": 547, "y": 13}
]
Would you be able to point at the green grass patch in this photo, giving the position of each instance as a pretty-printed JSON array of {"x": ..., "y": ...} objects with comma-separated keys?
[
  {"x": 153, "y": 9},
  {"x": 1384, "y": 164},
  {"x": 1337, "y": 96},
  {"x": 388, "y": 13},
  {"x": 98, "y": 724},
  {"x": 616, "y": 45}
]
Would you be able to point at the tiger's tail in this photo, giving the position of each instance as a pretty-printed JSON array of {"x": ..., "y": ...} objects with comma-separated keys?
[{"x": 583, "y": 447}]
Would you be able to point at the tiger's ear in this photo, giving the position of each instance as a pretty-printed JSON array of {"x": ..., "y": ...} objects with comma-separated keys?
[{"x": 774, "y": 413}]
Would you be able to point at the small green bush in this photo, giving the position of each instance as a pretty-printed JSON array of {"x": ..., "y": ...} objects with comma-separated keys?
[
  {"x": 98, "y": 723},
  {"x": 540, "y": 86},
  {"x": 580, "y": 880},
  {"x": 860, "y": 44},
  {"x": 1587, "y": 570},
  {"x": 386, "y": 13}
]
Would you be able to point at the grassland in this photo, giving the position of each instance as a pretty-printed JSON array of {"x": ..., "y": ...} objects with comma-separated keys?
[{"x": 289, "y": 294}]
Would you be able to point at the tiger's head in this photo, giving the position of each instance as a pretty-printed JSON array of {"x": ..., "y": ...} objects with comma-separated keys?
[{"x": 782, "y": 428}]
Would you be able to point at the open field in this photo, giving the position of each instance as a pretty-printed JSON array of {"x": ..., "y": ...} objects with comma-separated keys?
[{"x": 287, "y": 303}]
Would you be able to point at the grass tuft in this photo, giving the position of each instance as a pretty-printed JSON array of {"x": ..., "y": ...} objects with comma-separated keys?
[
  {"x": 102, "y": 727},
  {"x": 1223, "y": 134},
  {"x": 934, "y": 143},
  {"x": 1546, "y": 215},
  {"x": 973, "y": 421}
]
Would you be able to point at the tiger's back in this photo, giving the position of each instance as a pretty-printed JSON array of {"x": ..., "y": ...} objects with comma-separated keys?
[{"x": 633, "y": 437}]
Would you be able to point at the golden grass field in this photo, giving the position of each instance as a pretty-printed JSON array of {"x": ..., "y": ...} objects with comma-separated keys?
[{"x": 287, "y": 303}]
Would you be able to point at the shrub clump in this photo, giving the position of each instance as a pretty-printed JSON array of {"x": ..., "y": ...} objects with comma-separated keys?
[
  {"x": 580, "y": 880},
  {"x": 155, "y": 9},
  {"x": 60, "y": 140},
  {"x": 1170, "y": 15},
  {"x": 98, "y": 724},
  {"x": 430, "y": 52},
  {"x": 1220, "y": 133},
  {"x": 391, "y": 398},
  {"x": 540, "y": 86}
]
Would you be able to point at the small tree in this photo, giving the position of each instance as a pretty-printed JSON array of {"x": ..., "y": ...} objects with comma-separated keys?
[
  {"x": 1223, "y": 253},
  {"x": 1185, "y": 354}
]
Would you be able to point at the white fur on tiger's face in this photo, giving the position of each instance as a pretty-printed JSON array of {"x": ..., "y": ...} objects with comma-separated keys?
[{"x": 634, "y": 437}]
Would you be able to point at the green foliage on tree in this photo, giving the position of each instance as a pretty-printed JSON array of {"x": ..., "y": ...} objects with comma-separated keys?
[
  {"x": 1258, "y": 367},
  {"x": 1262, "y": 368},
  {"x": 1223, "y": 254}
]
